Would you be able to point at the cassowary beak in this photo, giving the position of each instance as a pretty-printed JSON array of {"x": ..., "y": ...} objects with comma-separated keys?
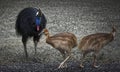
[{"x": 38, "y": 28}]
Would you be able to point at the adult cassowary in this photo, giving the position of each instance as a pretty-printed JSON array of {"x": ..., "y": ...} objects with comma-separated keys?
[{"x": 30, "y": 23}]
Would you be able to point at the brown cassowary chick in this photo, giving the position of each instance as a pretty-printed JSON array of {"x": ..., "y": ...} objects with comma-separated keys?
[
  {"x": 63, "y": 42},
  {"x": 94, "y": 43}
]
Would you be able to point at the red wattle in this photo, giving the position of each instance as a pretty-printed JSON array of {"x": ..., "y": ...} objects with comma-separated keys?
[{"x": 38, "y": 28}]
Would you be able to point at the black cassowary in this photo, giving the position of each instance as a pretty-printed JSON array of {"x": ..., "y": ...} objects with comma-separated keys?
[{"x": 30, "y": 23}]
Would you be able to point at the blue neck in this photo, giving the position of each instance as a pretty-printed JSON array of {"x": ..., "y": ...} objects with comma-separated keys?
[{"x": 38, "y": 20}]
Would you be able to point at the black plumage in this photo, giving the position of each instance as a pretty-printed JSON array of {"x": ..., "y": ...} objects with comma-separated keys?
[{"x": 26, "y": 25}]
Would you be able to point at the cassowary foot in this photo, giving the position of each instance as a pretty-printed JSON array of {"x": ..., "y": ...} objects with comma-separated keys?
[
  {"x": 95, "y": 66},
  {"x": 65, "y": 65},
  {"x": 81, "y": 66},
  {"x": 62, "y": 65}
]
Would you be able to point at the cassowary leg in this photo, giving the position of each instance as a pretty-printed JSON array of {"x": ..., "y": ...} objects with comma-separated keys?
[
  {"x": 82, "y": 60},
  {"x": 95, "y": 60},
  {"x": 24, "y": 41},
  {"x": 36, "y": 40},
  {"x": 65, "y": 59}
]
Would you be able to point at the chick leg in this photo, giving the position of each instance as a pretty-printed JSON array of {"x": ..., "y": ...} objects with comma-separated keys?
[
  {"x": 83, "y": 56},
  {"x": 65, "y": 59},
  {"x": 95, "y": 60},
  {"x": 62, "y": 63}
]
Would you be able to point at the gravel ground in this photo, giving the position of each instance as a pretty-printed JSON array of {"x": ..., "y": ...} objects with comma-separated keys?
[
  {"x": 81, "y": 17},
  {"x": 37, "y": 67}
]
